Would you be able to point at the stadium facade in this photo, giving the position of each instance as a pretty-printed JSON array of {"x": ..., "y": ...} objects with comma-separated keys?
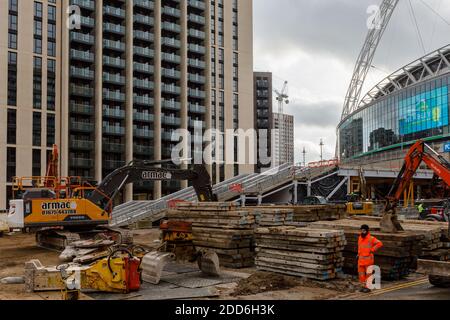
[{"x": 410, "y": 104}]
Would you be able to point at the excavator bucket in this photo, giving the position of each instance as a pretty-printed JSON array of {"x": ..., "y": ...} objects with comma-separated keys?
[
  {"x": 389, "y": 223},
  {"x": 208, "y": 263},
  {"x": 152, "y": 265}
]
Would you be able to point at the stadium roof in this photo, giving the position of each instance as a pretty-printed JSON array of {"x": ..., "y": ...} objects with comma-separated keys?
[{"x": 429, "y": 66}]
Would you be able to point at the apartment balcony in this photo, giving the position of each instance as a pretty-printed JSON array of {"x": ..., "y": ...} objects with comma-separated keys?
[
  {"x": 143, "y": 133},
  {"x": 143, "y": 150},
  {"x": 143, "y": 67},
  {"x": 143, "y": 117},
  {"x": 82, "y": 38},
  {"x": 171, "y": 121},
  {"x": 81, "y": 90},
  {"x": 167, "y": 136},
  {"x": 86, "y": 4},
  {"x": 81, "y": 108},
  {"x": 143, "y": 100},
  {"x": 171, "y": 105},
  {"x": 114, "y": 45},
  {"x": 114, "y": 62},
  {"x": 113, "y": 78},
  {"x": 147, "y": 20},
  {"x": 171, "y": 73},
  {"x": 114, "y": 113},
  {"x": 113, "y": 130},
  {"x": 144, "y": 35},
  {"x": 197, "y": 19},
  {"x": 197, "y": 124},
  {"x": 83, "y": 73},
  {"x": 81, "y": 163},
  {"x": 171, "y": 42},
  {"x": 143, "y": 84},
  {"x": 112, "y": 164},
  {"x": 196, "y": 108},
  {"x": 197, "y": 63},
  {"x": 195, "y": 93},
  {"x": 146, "y": 4},
  {"x": 169, "y": 26},
  {"x": 144, "y": 52},
  {"x": 197, "y": 78},
  {"x": 170, "y": 57},
  {"x": 79, "y": 126},
  {"x": 197, "y": 34},
  {"x": 112, "y": 11},
  {"x": 86, "y": 56},
  {"x": 82, "y": 145},
  {"x": 171, "y": 12},
  {"x": 114, "y": 28},
  {"x": 113, "y": 95},
  {"x": 197, "y": 48},
  {"x": 113, "y": 147},
  {"x": 197, "y": 4},
  {"x": 87, "y": 22},
  {"x": 172, "y": 89}
]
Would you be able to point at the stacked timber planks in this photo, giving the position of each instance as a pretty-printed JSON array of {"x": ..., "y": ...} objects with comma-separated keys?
[
  {"x": 223, "y": 228},
  {"x": 396, "y": 258},
  {"x": 304, "y": 252},
  {"x": 319, "y": 213},
  {"x": 272, "y": 217}
]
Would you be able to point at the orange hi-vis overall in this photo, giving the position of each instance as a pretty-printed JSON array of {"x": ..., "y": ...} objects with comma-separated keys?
[{"x": 366, "y": 248}]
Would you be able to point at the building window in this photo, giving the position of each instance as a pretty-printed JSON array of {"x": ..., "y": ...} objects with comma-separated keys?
[
  {"x": 51, "y": 84},
  {"x": 37, "y": 129},
  {"x": 37, "y": 83},
  {"x": 12, "y": 78},
  {"x": 10, "y": 164},
  {"x": 36, "y": 162},
  {"x": 51, "y": 130},
  {"x": 12, "y": 126}
]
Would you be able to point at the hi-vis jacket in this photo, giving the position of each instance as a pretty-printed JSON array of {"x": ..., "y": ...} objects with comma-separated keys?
[{"x": 366, "y": 248}]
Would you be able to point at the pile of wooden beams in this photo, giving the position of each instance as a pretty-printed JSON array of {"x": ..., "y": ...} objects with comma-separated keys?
[
  {"x": 223, "y": 228},
  {"x": 318, "y": 213},
  {"x": 396, "y": 258},
  {"x": 272, "y": 217},
  {"x": 304, "y": 252}
]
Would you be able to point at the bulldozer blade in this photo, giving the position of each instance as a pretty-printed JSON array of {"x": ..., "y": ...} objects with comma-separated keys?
[
  {"x": 208, "y": 263},
  {"x": 152, "y": 265},
  {"x": 389, "y": 223}
]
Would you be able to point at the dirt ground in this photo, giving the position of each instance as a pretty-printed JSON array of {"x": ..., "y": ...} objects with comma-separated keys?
[{"x": 18, "y": 248}]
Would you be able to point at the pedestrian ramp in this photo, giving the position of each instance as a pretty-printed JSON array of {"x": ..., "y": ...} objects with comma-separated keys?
[{"x": 229, "y": 190}]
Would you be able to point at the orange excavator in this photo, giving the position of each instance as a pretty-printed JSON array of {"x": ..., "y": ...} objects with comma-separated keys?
[
  {"x": 438, "y": 271},
  {"x": 419, "y": 152}
]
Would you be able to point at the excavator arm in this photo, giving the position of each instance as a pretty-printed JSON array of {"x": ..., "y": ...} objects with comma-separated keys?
[
  {"x": 107, "y": 190},
  {"x": 419, "y": 152}
]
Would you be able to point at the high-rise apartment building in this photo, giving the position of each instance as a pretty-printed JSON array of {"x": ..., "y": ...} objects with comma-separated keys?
[
  {"x": 30, "y": 68},
  {"x": 109, "y": 81},
  {"x": 283, "y": 152},
  {"x": 263, "y": 101}
]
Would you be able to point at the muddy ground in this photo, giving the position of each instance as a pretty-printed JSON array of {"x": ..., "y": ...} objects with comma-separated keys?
[{"x": 18, "y": 248}]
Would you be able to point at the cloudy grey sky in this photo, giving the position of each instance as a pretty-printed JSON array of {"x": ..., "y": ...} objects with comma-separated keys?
[{"x": 314, "y": 45}]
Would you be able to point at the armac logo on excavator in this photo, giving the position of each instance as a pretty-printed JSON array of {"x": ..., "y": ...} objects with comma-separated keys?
[
  {"x": 156, "y": 175},
  {"x": 63, "y": 207}
]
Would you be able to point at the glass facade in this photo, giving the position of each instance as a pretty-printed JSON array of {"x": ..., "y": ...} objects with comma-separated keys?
[{"x": 417, "y": 112}]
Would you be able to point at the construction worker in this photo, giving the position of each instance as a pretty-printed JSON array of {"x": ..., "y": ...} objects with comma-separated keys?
[{"x": 367, "y": 246}]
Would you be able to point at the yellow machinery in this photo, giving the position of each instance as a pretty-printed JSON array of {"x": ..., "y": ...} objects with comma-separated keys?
[
  {"x": 115, "y": 274},
  {"x": 360, "y": 208}
]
